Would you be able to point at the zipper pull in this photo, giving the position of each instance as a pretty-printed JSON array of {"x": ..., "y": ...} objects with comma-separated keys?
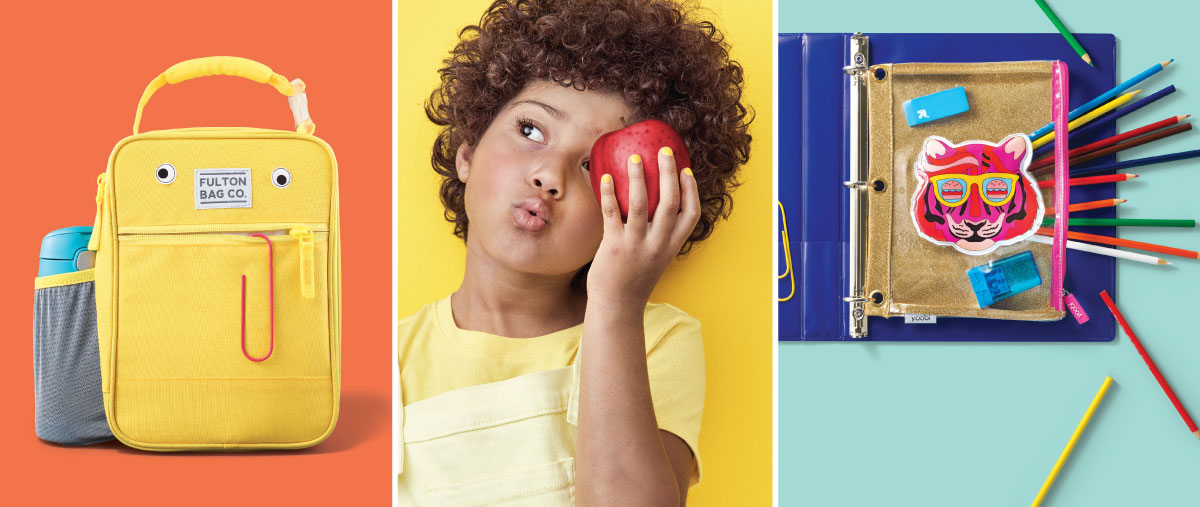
[
  {"x": 1072, "y": 305},
  {"x": 307, "y": 280},
  {"x": 94, "y": 240}
]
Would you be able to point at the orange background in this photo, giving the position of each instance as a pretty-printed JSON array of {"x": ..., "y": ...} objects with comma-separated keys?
[{"x": 72, "y": 77}]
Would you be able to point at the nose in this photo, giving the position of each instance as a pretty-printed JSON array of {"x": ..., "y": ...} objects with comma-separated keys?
[{"x": 550, "y": 177}]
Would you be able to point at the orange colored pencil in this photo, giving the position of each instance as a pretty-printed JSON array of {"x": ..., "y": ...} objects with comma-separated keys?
[
  {"x": 1109, "y": 141},
  {"x": 1084, "y": 206},
  {"x": 1108, "y": 240},
  {"x": 1091, "y": 180}
]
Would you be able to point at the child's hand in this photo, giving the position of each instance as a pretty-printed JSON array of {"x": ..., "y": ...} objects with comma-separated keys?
[{"x": 634, "y": 255}]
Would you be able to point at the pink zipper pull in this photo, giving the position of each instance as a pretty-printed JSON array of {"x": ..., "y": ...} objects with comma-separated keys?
[{"x": 1072, "y": 305}]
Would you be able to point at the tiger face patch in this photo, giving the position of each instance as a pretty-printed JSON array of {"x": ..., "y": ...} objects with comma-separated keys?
[{"x": 976, "y": 196}]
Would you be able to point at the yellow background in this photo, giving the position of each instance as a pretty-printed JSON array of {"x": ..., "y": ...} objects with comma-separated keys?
[{"x": 725, "y": 281}]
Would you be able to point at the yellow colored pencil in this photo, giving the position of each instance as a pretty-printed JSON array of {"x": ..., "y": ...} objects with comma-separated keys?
[
  {"x": 1066, "y": 453},
  {"x": 1095, "y": 113}
]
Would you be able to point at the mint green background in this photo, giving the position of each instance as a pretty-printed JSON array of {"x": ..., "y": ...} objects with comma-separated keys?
[{"x": 962, "y": 424}]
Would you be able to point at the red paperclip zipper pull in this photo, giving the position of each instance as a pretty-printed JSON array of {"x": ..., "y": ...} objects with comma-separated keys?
[{"x": 270, "y": 299}]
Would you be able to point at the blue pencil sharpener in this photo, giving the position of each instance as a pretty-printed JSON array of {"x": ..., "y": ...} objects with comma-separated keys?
[
  {"x": 1005, "y": 277},
  {"x": 65, "y": 251}
]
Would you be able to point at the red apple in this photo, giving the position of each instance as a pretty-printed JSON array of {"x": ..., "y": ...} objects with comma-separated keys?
[{"x": 610, "y": 155}]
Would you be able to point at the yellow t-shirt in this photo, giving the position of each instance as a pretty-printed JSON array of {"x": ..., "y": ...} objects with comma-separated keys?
[{"x": 436, "y": 356}]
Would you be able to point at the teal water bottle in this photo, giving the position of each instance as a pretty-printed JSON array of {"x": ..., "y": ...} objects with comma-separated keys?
[{"x": 65, "y": 251}]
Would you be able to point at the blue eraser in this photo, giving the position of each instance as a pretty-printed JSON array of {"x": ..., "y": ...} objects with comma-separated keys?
[
  {"x": 1005, "y": 277},
  {"x": 936, "y": 106}
]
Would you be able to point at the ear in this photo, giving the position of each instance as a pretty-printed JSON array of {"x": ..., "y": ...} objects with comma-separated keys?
[
  {"x": 936, "y": 147},
  {"x": 462, "y": 161},
  {"x": 1015, "y": 145}
]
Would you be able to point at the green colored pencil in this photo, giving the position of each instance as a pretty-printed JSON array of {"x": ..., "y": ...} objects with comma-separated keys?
[
  {"x": 1109, "y": 222},
  {"x": 1065, "y": 33}
]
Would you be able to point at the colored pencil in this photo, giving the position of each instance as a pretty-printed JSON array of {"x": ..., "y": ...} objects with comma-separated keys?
[
  {"x": 1091, "y": 180},
  {"x": 1074, "y": 124},
  {"x": 1137, "y": 162},
  {"x": 1106, "y": 96},
  {"x": 1121, "y": 222},
  {"x": 1102, "y": 250},
  {"x": 1103, "y": 121},
  {"x": 1062, "y": 29},
  {"x": 1066, "y": 452},
  {"x": 1090, "y": 205},
  {"x": 1109, "y": 141},
  {"x": 1125, "y": 145},
  {"x": 1109, "y": 240},
  {"x": 1162, "y": 382}
]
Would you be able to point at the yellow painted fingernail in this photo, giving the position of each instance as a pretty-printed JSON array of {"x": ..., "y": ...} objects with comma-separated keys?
[
  {"x": 607, "y": 178},
  {"x": 635, "y": 158},
  {"x": 688, "y": 171},
  {"x": 666, "y": 150}
]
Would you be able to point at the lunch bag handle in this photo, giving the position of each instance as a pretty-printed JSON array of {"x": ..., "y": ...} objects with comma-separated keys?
[{"x": 232, "y": 66}]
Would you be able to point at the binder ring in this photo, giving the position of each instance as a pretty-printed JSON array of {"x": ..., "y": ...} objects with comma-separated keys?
[
  {"x": 855, "y": 185},
  {"x": 855, "y": 300}
]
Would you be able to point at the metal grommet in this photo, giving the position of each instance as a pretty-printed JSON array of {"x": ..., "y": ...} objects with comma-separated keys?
[
  {"x": 281, "y": 177},
  {"x": 876, "y": 298},
  {"x": 879, "y": 73},
  {"x": 165, "y": 174},
  {"x": 878, "y": 185}
]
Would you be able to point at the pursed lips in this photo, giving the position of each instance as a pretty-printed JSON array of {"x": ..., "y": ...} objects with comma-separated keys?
[{"x": 531, "y": 214}]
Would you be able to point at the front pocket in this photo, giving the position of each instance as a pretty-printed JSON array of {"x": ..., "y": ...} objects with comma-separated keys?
[
  {"x": 551, "y": 484},
  {"x": 217, "y": 340},
  {"x": 68, "y": 402}
]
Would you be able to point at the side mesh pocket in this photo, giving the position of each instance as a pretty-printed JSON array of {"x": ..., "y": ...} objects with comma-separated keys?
[{"x": 68, "y": 402}]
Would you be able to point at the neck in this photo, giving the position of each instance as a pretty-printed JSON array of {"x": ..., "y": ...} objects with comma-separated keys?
[{"x": 496, "y": 299}]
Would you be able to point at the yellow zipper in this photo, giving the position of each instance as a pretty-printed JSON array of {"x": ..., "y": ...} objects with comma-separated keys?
[
  {"x": 94, "y": 241},
  {"x": 304, "y": 236}
]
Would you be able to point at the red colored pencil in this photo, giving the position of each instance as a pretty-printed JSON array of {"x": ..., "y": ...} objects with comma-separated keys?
[
  {"x": 1109, "y": 141},
  {"x": 1091, "y": 180},
  {"x": 1112, "y": 307},
  {"x": 1108, "y": 240},
  {"x": 1084, "y": 206},
  {"x": 1124, "y": 145}
]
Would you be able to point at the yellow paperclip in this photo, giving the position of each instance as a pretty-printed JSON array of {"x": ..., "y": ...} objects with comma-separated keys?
[{"x": 787, "y": 254}]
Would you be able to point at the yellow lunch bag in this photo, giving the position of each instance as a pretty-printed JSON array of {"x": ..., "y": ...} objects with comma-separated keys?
[{"x": 218, "y": 290}]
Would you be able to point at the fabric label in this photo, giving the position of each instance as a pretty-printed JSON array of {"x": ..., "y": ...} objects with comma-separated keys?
[
  {"x": 919, "y": 318},
  {"x": 223, "y": 188}
]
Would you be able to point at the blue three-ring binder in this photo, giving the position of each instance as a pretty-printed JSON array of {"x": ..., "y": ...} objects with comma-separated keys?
[{"x": 813, "y": 112}]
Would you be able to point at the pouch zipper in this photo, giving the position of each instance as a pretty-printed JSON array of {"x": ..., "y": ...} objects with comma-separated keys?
[{"x": 304, "y": 235}]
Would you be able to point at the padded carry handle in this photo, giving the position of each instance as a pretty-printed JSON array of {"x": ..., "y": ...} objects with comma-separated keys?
[{"x": 219, "y": 66}]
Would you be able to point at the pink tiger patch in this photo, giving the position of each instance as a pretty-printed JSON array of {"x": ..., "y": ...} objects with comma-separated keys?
[{"x": 976, "y": 196}]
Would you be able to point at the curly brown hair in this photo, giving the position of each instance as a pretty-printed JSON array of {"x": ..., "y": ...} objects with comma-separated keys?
[{"x": 664, "y": 64}]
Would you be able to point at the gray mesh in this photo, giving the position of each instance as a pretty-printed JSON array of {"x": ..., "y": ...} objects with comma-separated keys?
[{"x": 69, "y": 406}]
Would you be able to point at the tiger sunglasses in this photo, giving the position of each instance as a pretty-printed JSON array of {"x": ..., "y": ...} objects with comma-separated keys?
[{"x": 996, "y": 189}]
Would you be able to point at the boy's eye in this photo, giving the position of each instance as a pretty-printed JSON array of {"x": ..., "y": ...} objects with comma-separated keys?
[
  {"x": 585, "y": 165},
  {"x": 532, "y": 132}
]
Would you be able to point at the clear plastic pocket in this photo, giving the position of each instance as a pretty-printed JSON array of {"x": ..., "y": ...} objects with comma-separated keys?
[{"x": 68, "y": 402}]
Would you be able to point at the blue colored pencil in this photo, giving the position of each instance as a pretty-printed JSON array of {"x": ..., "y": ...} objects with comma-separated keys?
[
  {"x": 1106, "y": 96},
  {"x": 1137, "y": 162},
  {"x": 1100, "y": 122}
]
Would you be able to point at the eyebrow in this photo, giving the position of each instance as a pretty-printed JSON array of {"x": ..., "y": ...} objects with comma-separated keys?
[{"x": 558, "y": 115}]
